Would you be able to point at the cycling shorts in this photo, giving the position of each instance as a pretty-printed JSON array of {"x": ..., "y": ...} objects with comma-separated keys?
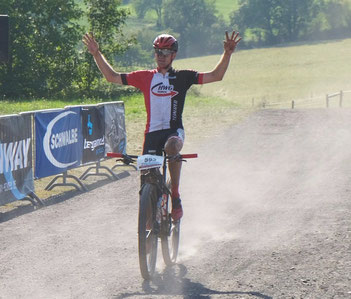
[{"x": 155, "y": 141}]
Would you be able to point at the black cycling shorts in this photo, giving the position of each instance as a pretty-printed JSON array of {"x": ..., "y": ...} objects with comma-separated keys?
[{"x": 155, "y": 141}]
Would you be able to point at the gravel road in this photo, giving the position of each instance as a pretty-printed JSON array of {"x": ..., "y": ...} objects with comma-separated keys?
[{"x": 267, "y": 214}]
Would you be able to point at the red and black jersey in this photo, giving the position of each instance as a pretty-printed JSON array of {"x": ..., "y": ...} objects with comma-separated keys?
[{"x": 164, "y": 95}]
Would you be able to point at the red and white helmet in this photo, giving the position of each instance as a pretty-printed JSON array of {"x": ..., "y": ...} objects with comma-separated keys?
[{"x": 166, "y": 41}]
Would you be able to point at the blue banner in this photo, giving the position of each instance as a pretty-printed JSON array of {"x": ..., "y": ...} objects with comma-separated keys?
[{"x": 58, "y": 141}]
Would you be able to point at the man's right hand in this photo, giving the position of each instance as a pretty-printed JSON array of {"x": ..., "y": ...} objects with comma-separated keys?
[{"x": 90, "y": 42}]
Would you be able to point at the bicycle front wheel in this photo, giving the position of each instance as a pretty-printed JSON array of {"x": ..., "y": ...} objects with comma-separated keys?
[
  {"x": 170, "y": 238},
  {"x": 147, "y": 230}
]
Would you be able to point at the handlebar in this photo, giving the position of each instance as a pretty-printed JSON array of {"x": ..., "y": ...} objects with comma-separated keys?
[
  {"x": 131, "y": 157},
  {"x": 188, "y": 156}
]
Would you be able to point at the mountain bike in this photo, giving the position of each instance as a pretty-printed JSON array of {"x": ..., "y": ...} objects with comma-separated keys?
[{"x": 154, "y": 221}]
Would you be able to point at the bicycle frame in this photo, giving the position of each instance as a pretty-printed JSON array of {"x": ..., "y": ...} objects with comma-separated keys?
[{"x": 159, "y": 179}]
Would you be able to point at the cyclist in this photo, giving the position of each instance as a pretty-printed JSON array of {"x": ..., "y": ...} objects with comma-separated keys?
[{"x": 164, "y": 90}]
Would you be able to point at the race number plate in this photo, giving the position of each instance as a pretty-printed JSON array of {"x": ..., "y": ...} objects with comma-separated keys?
[{"x": 149, "y": 161}]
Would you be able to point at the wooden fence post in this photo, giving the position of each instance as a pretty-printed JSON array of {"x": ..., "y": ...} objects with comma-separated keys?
[
  {"x": 292, "y": 104},
  {"x": 327, "y": 101}
]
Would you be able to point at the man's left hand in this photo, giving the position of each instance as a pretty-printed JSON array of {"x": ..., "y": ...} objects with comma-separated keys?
[{"x": 230, "y": 43}]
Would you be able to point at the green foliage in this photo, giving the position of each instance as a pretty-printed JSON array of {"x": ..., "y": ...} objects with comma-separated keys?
[
  {"x": 141, "y": 54},
  {"x": 47, "y": 55},
  {"x": 43, "y": 36},
  {"x": 198, "y": 35},
  {"x": 274, "y": 21},
  {"x": 106, "y": 20},
  {"x": 333, "y": 21},
  {"x": 225, "y": 7},
  {"x": 268, "y": 22},
  {"x": 143, "y": 6}
]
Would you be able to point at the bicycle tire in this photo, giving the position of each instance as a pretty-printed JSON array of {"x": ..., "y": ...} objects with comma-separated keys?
[
  {"x": 170, "y": 244},
  {"x": 147, "y": 231},
  {"x": 170, "y": 237}
]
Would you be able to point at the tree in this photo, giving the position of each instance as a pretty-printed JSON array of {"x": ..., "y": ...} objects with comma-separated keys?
[
  {"x": 338, "y": 14},
  {"x": 106, "y": 20},
  {"x": 47, "y": 55},
  {"x": 254, "y": 16},
  {"x": 292, "y": 18},
  {"x": 196, "y": 24},
  {"x": 274, "y": 21},
  {"x": 44, "y": 35},
  {"x": 143, "y": 6}
]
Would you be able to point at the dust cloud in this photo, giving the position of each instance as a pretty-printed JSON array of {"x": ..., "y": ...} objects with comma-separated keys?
[{"x": 265, "y": 180}]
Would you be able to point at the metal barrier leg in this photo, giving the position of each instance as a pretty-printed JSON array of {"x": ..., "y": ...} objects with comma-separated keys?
[
  {"x": 120, "y": 165},
  {"x": 97, "y": 172},
  {"x": 86, "y": 173},
  {"x": 31, "y": 200},
  {"x": 64, "y": 177},
  {"x": 33, "y": 197}
]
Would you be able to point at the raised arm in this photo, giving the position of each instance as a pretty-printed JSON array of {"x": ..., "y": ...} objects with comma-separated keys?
[
  {"x": 105, "y": 68},
  {"x": 229, "y": 46}
]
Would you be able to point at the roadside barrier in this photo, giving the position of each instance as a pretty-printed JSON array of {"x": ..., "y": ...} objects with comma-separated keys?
[
  {"x": 337, "y": 99},
  {"x": 43, "y": 143}
]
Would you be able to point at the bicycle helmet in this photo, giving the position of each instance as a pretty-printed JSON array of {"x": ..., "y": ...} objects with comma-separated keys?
[{"x": 166, "y": 41}]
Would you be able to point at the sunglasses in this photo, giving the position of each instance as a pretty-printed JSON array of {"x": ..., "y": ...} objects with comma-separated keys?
[{"x": 163, "y": 52}]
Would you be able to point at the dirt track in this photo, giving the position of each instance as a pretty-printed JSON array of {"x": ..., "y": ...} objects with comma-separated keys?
[{"x": 267, "y": 215}]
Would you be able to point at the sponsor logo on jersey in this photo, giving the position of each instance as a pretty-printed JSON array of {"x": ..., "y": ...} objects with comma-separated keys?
[
  {"x": 174, "y": 110},
  {"x": 162, "y": 90}
]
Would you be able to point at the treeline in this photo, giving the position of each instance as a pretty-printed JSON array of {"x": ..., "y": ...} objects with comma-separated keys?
[
  {"x": 270, "y": 22},
  {"x": 48, "y": 59},
  {"x": 199, "y": 27}
]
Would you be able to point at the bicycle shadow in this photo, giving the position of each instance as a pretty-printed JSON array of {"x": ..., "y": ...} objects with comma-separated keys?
[{"x": 172, "y": 282}]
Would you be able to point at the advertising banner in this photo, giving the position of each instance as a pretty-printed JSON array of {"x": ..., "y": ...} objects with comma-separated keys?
[
  {"x": 93, "y": 127},
  {"x": 115, "y": 132},
  {"x": 16, "y": 173},
  {"x": 58, "y": 141}
]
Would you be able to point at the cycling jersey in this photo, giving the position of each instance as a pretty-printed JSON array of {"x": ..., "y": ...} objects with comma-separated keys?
[{"x": 164, "y": 95}]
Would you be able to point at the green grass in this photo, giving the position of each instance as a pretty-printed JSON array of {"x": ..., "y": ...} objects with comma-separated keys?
[
  {"x": 12, "y": 107},
  {"x": 226, "y": 7},
  {"x": 279, "y": 74}
]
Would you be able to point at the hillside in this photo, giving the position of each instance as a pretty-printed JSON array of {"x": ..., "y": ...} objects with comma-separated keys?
[
  {"x": 279, "y": 74},
  {"x": 224, "y": 7}
]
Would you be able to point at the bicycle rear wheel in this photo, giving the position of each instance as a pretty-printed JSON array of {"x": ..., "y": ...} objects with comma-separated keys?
[
  {"x": 170, "y": 238},
  {"x": 147, "y": 230}
]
